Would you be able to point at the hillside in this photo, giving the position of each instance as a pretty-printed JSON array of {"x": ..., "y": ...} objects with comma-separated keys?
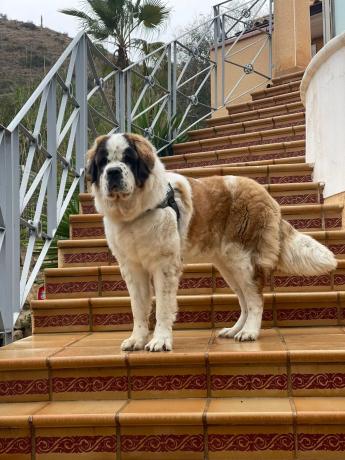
[{"x": 27, "y": 52}]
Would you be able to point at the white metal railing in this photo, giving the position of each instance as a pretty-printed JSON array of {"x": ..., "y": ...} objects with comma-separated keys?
[{"x": 162, "y": 95}]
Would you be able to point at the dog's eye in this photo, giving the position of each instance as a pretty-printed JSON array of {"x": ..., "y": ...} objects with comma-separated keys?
[
  {"x": 102, "y": 162},
  {"x": 129, "y": 156}
]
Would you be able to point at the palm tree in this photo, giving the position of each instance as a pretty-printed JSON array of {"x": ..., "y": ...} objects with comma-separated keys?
[{"x": 117, "y": 20}]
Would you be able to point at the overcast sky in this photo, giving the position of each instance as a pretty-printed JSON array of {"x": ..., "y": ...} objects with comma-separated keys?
[{"x": 183, "y": 13}]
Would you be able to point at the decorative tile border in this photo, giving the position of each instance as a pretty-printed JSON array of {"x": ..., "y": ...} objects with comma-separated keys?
[
  {"x": 41, "y": 321},
  {"x": 325, "y": 381},
  {"x": 307, "y": 314},
  {"x": 112, "y": 319},
  {"x": 12, "y": 446},
  {"x": 162, "y": 443},
  {"x": 333, "y": 442},
  {"x": 310, "y": 198},
  {"x": 254, "y": 442},
  {"x": 88, "y": 208},
  {"x": 20, "y": 387},
  {"x": 75, "y": 444},
  {"x": 86, "y": 257},
  {"x": 184, "y": 316},
  {"x": 288, "y": 179},
  {"x": 249, "y": 382},
  {"x": 89, "y": 384},
  {"x": 68, "y": 287},
  {"x": 304, "y": 281},
  {"x": 87, "y": 232},
  {"x": 168, "y": 382}
]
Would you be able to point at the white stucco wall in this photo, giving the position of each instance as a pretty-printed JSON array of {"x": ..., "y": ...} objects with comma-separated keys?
[{"x": 323, "y": 94}]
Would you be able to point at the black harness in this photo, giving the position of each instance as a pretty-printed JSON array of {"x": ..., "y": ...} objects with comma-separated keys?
[{"x": 169, "y": 200}]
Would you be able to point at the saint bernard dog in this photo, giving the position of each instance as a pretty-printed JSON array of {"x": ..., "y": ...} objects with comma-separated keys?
[{"x": 154, "y": 219}]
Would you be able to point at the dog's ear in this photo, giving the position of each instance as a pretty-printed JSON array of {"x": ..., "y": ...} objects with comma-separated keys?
[
  {"x": 146, "y": 156},
  {"x": 91, "y": 165}
]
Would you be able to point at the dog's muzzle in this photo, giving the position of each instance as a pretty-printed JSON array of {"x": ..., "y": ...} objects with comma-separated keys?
[{"x": 114, "y": 179}]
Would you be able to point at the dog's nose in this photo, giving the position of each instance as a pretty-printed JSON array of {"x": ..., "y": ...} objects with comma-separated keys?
[{"x": 114, "y": 176}]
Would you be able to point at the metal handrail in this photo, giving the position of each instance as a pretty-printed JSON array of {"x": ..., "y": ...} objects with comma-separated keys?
[{"x": 162, "y": 95}]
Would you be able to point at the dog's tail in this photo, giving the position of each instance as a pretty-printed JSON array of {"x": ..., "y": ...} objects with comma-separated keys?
[{"x": 302, "y": 255}]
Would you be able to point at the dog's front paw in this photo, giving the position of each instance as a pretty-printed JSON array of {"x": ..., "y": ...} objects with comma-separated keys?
[
  {"x": 133, "y": 343},
  {"x": 228, "y": 332},
  {"x": 247, "y": 335},
  {"x": 159, "y": 343}
]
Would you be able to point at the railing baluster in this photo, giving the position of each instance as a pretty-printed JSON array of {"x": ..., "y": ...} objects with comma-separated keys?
[
  {"x": 81, "y": 96},
  {"x": 10, "y": 251},
  {"x": 51, "y": 147}
]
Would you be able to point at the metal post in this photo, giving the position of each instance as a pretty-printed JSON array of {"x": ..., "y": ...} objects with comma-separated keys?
[
  {"x": 10, "y": 250},
  {"x": 129, "y": 100},
  {"x": 223, "y": 61},
  {"x": 81, "y": 97},
  {"x": 215, "y": 71},
  {"x": 216, "y": 25},
  {"x": 327, "y": 20},
  {"x": 51, "y": 147},
  {"x": 173, "y": 86},
  {"x": 120, "y": 100},
  {"x": 169, "y": 55},
  {"x": 270, "y": 31}
]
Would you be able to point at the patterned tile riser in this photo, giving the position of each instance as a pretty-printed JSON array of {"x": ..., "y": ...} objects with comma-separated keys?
[
  {"x": 261, "y": 104},
  {"x": 300, "y": 224},
  {"x": 221, "y": 445},
  {"x": 283, "y": 200},
  {"x": 244, "y": 130},
  {"x": 237, "y": 144},
  {"x": 205, "y": 284},
  {"x": 234, "y": 159},
  {"x": 255, "y": 116}
]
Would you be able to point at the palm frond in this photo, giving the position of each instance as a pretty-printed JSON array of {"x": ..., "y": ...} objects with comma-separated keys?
[
  {"x": 105, "y": 15},
  {"x": 153, "y": 13},
  {"x": 76, "y": 13}
]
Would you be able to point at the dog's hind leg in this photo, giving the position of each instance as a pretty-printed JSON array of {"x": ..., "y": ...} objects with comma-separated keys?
[
  {"x": 166, "y": 279},
  {"x": 140, "y": 291},
  {"x": 229, "y": 278},
  {"x": 243, "y": 271}
]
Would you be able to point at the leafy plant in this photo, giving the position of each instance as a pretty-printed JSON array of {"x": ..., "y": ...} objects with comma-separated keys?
[{"x": 118, "y": 20}]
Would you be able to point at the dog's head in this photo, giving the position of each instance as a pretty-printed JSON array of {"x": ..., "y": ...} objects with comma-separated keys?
[{"x": 120, "y": 164}]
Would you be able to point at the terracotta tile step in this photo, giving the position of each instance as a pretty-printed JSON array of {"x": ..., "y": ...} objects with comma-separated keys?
[
  {"x": 295, "y": 362},
  {"x": 285, "y": 194},
  {"x": 193, "y": 429},
  {"x": 197, "y": 279},
  {"x": 288, "y": 78},
  {"x": 95, "y": 252},
  {"x": 195, "y": 311},
  {"x": 276, "y": 90},
  {"x": 303, "y": 217},
  {"x": 279, "y": 151},
  {"x": 264, "y": 174},
  {"x": 274, "y": 111},
  {"x": 281, "y": 121},
  {"x": 242, "y": 140},
  {"x": 281, "y": 99}
]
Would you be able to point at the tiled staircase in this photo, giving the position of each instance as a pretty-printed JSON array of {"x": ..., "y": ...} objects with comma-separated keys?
[{"x": 69, "y": 391}]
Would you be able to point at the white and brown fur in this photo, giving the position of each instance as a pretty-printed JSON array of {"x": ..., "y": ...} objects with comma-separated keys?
[{"x": 230, "y": 221}]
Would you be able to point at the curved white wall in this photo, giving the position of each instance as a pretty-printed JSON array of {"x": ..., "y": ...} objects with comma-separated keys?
[{"x": 323, "y": 94}]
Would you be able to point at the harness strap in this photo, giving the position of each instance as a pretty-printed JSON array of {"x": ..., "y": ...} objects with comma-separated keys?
[{"x": 169, "y": 200}]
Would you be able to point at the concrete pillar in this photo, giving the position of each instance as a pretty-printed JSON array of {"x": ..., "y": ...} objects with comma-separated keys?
[{"x": 291, "y": 36}]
